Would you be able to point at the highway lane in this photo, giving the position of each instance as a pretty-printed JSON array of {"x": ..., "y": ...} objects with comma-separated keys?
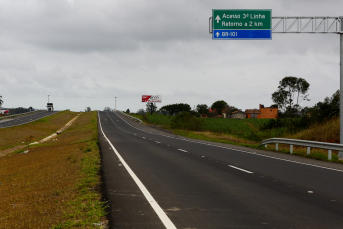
[
  {"x": 207, "y": 185},
  {"x": 25, "y": 119}
]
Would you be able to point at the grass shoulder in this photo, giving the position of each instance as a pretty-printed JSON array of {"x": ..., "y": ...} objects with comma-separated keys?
[
  {"x": 39, "y": 129},
  {"x": 317, "y": 154},
  {"x": 55, "y": 184}
]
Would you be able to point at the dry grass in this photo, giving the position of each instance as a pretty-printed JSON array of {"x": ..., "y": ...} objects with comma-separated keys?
[
  {"x": 318, "y": 154},
  {"x": 55, "y": 184},
  {"x": 217, "y": 137},
  {"x": 324, "y": 132},
  {"x": 225, "y": 137},
  {"x": 12, "y": 136}
]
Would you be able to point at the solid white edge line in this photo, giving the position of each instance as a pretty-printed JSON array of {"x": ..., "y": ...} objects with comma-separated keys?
[
  {"x": 159, "y": 211},
  {"x": 240, "y": 169}
]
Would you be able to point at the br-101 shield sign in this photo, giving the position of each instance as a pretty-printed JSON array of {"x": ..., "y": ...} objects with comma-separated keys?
[{"x": 152, "y": 98}]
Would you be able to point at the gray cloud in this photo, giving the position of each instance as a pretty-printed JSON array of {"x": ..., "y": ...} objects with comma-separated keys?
[{"x": 84, "y": 52}]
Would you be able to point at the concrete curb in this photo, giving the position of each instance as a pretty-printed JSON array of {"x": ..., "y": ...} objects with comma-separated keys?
[{"x": 57, "y": 132}]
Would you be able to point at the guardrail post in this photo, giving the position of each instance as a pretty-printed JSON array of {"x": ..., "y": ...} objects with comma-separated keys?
[{"x": 304, "y": 143}]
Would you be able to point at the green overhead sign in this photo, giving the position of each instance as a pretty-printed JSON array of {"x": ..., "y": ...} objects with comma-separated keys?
[{"x": 242, "y": 24}]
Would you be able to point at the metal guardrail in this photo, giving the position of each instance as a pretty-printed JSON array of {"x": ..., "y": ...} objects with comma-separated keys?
[
  {"x": 308, "y": 144},
  {"x": 25, "y": 113},
  {"x": 131, "y": 116}
]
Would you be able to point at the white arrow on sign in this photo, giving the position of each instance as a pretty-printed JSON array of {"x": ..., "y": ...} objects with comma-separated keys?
[
  {"x": 217, "y": 19},
  {"x": 217, "y": 34}
]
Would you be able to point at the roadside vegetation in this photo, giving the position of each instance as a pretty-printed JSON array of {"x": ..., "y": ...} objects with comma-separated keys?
[
  {"x": 317, "y": 123},
  {"x": 54, "y": 184},
  {"x": 249, "y": 132}
]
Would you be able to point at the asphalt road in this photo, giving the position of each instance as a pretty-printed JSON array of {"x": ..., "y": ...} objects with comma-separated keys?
[
  {"x": 199, "y": 184},
  {"x": 25, "y": 119}
]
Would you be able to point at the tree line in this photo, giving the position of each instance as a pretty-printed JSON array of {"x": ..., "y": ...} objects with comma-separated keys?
[
  {"x": 219, "y": 107},
  {"x": 290, "y": 93}
]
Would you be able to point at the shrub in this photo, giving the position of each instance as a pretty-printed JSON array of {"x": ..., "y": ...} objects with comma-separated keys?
[{"x": 186, "y": 121}]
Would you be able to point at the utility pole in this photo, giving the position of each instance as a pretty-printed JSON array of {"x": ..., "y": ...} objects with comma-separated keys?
[{"x": 115, "y": 102}]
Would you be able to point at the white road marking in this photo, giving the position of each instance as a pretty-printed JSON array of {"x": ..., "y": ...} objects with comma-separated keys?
[
  {"x": 183, "y": 150},
  {"x": 157, "y": 142},
  {"x": 240, "y": 169},
  {"x": 161, "y": 214}
]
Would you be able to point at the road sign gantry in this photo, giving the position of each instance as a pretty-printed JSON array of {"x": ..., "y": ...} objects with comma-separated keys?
[
  {"x": 233, "y": 27},
  {"x": 241, "y": 24}
]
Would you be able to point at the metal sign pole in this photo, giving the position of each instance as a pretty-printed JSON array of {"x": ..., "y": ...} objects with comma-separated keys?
[{"x": 340, "y": 154}]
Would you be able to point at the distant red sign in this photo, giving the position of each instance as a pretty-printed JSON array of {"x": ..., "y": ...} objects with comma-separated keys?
[
  {"x": 152, "y": 98},
  {"x": 4, "y": 112}
]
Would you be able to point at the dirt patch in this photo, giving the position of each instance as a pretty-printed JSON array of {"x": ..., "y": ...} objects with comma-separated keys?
[
  {"x": 10, "y": 150},
  {"x": 158, "y": 127}
]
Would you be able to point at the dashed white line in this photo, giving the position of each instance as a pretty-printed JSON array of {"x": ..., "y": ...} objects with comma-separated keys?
[
  {"x": 239, "y": 169},
  {"x": 183, "y": 150}
]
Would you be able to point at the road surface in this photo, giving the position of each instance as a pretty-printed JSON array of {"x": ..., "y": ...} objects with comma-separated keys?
[
  {"x": 25, "y": 119},
  {"x": 154, "y": 179}
]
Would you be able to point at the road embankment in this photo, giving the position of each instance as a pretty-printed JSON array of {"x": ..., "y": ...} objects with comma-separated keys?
[{"x": 55, "y": 184}]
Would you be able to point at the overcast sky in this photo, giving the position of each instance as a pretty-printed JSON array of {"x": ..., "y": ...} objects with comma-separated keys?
[{"x": 86, "y": 52}]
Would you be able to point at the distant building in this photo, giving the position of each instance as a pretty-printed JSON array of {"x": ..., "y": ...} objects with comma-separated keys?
[
  {"x": 263, "y": 112},
  {"x": 50, "y": 107},
  {"x": 214, "y": 114},
  {"x": 252, "y": 113},
  {"x": 268, "y": 112},
  {"x": 238, "y": 115}
]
